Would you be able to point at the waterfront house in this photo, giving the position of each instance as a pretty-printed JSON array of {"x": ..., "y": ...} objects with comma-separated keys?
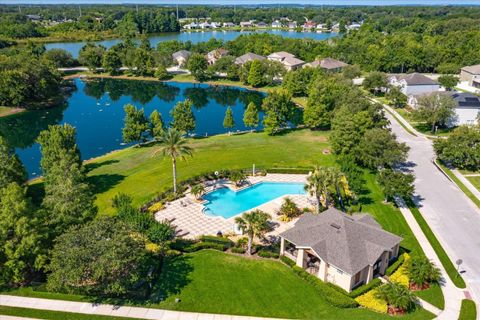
[
  {"x": 276, "y": 24},
  {"x": 289, "y": 61},
  {"x": 346, "y": 250},
  {"x": 327, "y": 64},
  {"x": 261, "y": 25},
  {"x": 228, "y": 24},
  {"x": 309, "y": 25},
  {"x": 216, "y": 54},
  {"x": 246, "y": 24},
  {"x": 205, "y": 25},
  {"x": 191, "y": 26},
  {"x": 292, "y": 25},
  {"x": 248, "y": 57},
  {"x": 181, "y": 57}
]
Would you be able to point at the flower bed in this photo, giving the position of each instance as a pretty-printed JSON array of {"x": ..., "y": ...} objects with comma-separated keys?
[{"x": 370, "y": 301}]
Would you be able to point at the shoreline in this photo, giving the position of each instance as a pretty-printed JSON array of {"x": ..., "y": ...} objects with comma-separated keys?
[{"x": 10, "y": 111}]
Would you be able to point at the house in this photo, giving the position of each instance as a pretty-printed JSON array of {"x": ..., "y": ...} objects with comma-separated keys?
[
  {"x": 353, "y": 26},
  {"x": 215, "y": 25},
  {"x": 192, "y": 25},
  {"x": 292, "y": 25},
  {"x": 205, "y": 25},
  {"x": 328, "y": 64},
  {"x": 228, "y": 24},
  {"x": 413, "y": 83},
  {"x": 261, "y": 25},
  {"x": 248, "y": 57},
  {"x": 181, "y": 57},
  {"x": 246, "y": 24},
  {"x": 33, "y": 17},
  {"x": 309, "y": 25},
  {"x": 471, "y": 75},
  {"x": 321, "y": 27},
  {"x": 276, "y": 24},
  {"x": 289, "y": 61},
  {"x": 345, "y": 250},
  {"x": 216, "y": 54}
]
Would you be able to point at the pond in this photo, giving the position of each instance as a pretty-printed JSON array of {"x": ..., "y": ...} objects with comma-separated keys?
[
  {"x": 194, "y": 37},
  {"x": 95, "y": 109}
]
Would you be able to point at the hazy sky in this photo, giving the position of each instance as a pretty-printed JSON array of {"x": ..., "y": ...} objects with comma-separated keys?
[{"x": 240, "y": 2}]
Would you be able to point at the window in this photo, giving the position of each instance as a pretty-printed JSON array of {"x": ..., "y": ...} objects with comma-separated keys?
[{"x": 357, "y": 277}]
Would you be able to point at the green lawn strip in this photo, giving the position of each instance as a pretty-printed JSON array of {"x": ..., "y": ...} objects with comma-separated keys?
[
  {"x": 54, "y": 315},
  {"x": 216, "y": 282},
  {"x": 432, "y": 295},
  {"x": 468, "y": 310},
  {"x": 475, "y": 181},
  {"x": 442, "y": 255},
  {"x": 39, "y": 291},
  {"x": 137, "y": 172},
  {"x": 459, "y": 183},
  {"x": 401, "y": 123}
]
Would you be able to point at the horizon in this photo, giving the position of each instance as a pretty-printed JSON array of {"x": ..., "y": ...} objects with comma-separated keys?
[{"x": 251, "y": 2}]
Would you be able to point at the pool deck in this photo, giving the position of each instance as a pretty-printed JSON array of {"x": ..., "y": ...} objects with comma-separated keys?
[{"x": 187, "y": 213}]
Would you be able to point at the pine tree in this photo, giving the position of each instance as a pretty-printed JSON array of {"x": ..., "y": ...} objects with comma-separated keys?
[
  {"x": 228, "y": 121},
  {"x": 255, "y": 75},
  {"x": 156, "y": 124},
  {"x": 250, "y": 117},
  {"x": 11, "y": 169},
  {"x": 183, "y": 118},
  {"x": 136, "y": 124}
]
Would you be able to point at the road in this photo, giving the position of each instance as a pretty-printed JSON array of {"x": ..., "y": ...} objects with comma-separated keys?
[{"x": 452, "y": 216}]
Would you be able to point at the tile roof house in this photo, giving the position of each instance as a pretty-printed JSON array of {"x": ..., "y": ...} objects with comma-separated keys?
[
  {"x": 328, "y": 64},
  {"x": 248, "y": 57},
  {"x": 289, "y": 61},
  {"x": 345, "y": 250},
  {"x": 413, "y": 83},
  {"x": 181, "y": 57},
  {"x": 216, "y": 54},
  {"x": 471, "y": 74}
]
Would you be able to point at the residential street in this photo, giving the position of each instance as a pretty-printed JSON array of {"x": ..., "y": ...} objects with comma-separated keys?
[{"x": 452, "y": 216}]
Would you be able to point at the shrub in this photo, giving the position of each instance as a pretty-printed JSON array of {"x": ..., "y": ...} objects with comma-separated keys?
[
  {"x": 331, "y": 295},
  {"x": 394, "y": 266},
  {"x": 289, "y": 170},
  {"x": 157, "y": 206},
  {"x": 370, "y": 301},
  {"x": 267, "y": 254},
  {"x": 205, "y": 245},
  {"x": 289, "y": 209},
  {"x": 365, "y": 288},
  {"x": 181, "y": 244},
  {"x": 289, "y": 262},
  {"x": 227, "y": 243},
  {"x": 238, "y": 250},
  {"x": 401, "y": 275}
]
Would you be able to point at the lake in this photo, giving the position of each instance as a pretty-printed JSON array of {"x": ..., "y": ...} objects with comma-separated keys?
[
  {"x": 194, "y": 37},
  {"x": 95, "y": 109}
]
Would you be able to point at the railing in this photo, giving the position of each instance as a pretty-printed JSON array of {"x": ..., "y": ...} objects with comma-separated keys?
[{"x": 291, "y": 255}]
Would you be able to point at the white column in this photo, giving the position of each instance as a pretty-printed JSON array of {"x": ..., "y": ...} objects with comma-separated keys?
[
  {"x": 370, "y": 274},
  {"x": 282, "y": 246},
  {"x": 322, "y": 270},
  {"x": 300, "y": 255}
]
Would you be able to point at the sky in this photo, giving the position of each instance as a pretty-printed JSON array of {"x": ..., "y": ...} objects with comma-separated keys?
[{"x": 255, "y": 2}]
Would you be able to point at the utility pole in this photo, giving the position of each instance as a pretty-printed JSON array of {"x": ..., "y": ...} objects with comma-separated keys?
[
  {"x": 177, "y": 11},
  {"x": 136, "y": 6},
  {"x": 19, "y": 9},
  {"x": 80, "y": 10}
]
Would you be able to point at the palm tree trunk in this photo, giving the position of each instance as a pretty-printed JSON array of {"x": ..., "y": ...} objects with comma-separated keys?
[
  {"x": 339, "y": 195},
  {"x": 249, "y": 244},
  {"x": 174, "y": 163}
]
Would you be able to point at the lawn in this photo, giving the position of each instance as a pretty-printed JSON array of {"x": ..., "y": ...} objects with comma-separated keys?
[
  {"x": 468, "y": 310},
  {"x": 475, "y": 180},
  {"x": 422, "y": 126},
  {"x": 7, "y": 111},
  {"x": 216, "y": 282},
  {"x": 54, "y": 315},
  {"x": 137, "y": 172},
  {"x": 433, "y": 295}
]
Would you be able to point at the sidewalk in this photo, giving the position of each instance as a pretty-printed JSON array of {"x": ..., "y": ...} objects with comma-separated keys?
[
  {"x": 111, "y": 310},
  {"x": 466, "y": 183},
  {"x": 452, "y": 295}
]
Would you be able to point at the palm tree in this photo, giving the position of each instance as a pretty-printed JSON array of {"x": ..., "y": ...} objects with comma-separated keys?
[
  {"x": 397, "y": 296},
  {"x": 173, "y": 145},
  {"x": 237, "y": 177},
  {"x": 318, "y": 185},
  {"x": 289, "y": 209},
  {"x": 338, "y": 179},
  {"x": 253, "y": 223},
  {"x": 422, "y": 271},
  {"x": 197, "y": 190}
]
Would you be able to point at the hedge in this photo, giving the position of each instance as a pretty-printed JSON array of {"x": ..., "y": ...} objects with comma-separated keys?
[
  {"x": 289, "y": 262},
  {"x": 370, "y": 301},
  {"x": 238, "y": 250},
  {"x": 365, "y": 288},
  {"x": 289, "y": 170},
  {"x": 221, "y": 240},
  {"x": 394, "y": 266},
  {"x": 331, "y": 295},
  {"x": 267, "y": 254},
  {"x": 184, "y": 245}
]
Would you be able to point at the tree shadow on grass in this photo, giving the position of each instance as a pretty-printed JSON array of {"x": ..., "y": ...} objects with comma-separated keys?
[
  {"x": 104, "y": 182},
  {"x": 95, "y": 165}
]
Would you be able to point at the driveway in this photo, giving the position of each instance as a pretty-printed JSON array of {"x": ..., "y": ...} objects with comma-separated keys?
[{"x": 451, "y": 215}]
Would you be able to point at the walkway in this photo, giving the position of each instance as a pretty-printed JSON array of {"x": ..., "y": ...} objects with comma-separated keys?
[
  {"x": 111, "y": 310},
  {"x": 467, "y": 182}
]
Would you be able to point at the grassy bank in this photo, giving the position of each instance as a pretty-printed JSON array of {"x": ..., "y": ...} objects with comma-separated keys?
[
  {"x": 468, "y": 310},
  {"x": 459, "y": 183},
  {"x": 54, "y": 315},
  {"x": 442, "y": 255},
  {"x": 8, "y": 111}
]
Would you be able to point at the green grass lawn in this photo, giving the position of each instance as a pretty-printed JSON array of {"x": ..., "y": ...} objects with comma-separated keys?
[
  {"x": 54, "y": 315},
  {"x": 137, "y": 172},
  {"x": 433, "y": 295},
  {"x": 216, "y": 282},
  {"x": 7, "y": 111},
  {"x": 422, "y": 126},
  {"x": 468, "y": 310},
  {"x": 475, "y": 181}
]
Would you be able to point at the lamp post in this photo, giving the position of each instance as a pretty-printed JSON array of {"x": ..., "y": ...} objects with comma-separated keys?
[{"x": 458, "y": 262}]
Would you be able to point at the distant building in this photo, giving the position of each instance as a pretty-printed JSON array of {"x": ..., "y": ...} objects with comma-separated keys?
[
  {"x": 353, "y": 26},
  {"x": 192, "y": 25},
  {"x": 228, "y": 24},
  {"x": 216, "y": 54},
  {"x": 248, "y": 57},
  {"x": 215, "y": 25},
  {"x": 309, "y": 25},
  {"x": 261, "y": 25},
  {"x": 33, "y": 17},
  {"x": 289, "y": 61},
  {"x": 205, "y": 25},
  {"x": 292, "y": 25},
  {"x": 328, "y": 64},
  {"x": 413, "y": 83},
  {"x": 246, "y": 24},
  {"x": 181, "y": 57},
  {"x": 471, "y": 75},
  {"x": 276, "y": 24}
]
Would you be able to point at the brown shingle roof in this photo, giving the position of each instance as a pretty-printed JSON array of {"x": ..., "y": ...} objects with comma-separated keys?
[
  {"x": 248, "y": 57},
  {"x": 415, "y": 79},
  {"x": 348, "y": 242},
  {"x": 472, "y": 69}
]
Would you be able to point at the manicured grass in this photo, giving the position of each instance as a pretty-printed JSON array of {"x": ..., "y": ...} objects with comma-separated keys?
[
  {"x": 422, "y": 126},
  {"x": 216, "y": 282},
  {"x": 475, "y": 181},
  {"x": 54, "y": 315},
  {"x": 432, "y": 295},
  {"x": 442, "y": 255},
  {"x": 462, "y": 187},
  {"x": 402, "y": 124},
  {"x": 468, "y": 310},
  {"x": 137, "y": 172}
]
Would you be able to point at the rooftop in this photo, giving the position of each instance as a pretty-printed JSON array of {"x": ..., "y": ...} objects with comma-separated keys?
[
  {"x": 248, "y": 57},
  {"x": 472, "y": 69},
  {"x": 181, "y": 53},
  {"x": 328, "y": 63},
  {"x": 347, "y": 242},
  {"x": 466, "y": 100},
  {"x": 413, "y": 79}
]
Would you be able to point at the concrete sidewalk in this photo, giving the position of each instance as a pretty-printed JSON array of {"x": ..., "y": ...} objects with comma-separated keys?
[
  {"x": 111, "y": 310},
  {"x": 453, "y": 296},
  {"x": 466, "y": 183}
]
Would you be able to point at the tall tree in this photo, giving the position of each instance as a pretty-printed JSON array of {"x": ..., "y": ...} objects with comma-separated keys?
[
  {"x": 396, "y": 97},
  {"x": 250, "y": 116},
  {"x": 448, "y": 81},
  {"x": 396, "y": 184},
  {"x": 21, "y": 250},
  {"x": 156, "y": 124},
  {"x": 316, "y": 115},
  {"x": 375, "y": 82},
  {"x": 228, "y": 121},
  {"x": 136, "y": 124},
  {"x": 256, "y": 74},
  {"x": 173, "y": 145},
  {"x": 279, "y": 109},
  {"x": 91, "y": 56},
  {"x": 254, "y": 224},
  {"x": 112, "y": 62},
  {"x": 197, "y": 65},
  {"x": 183, "y": 118},
  {"x": 319, "y": 184},
  {"x": 11, "y": 169},
  {"x": 461, "y": 149},
  {"x": 435, "y": 109}
]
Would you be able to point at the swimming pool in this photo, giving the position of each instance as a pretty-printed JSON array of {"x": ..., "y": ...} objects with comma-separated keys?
[{"x": 227, "y": 203}]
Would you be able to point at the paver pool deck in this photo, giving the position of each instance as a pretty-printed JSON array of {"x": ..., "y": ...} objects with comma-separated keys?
[{"x": 187, "y": 213}]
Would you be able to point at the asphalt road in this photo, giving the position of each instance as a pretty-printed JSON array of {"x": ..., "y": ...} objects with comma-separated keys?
[{"x": 452, "y": 216}]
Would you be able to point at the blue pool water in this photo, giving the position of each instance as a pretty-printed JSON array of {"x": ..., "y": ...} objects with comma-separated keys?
[{"x": 227, "y": 203}]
